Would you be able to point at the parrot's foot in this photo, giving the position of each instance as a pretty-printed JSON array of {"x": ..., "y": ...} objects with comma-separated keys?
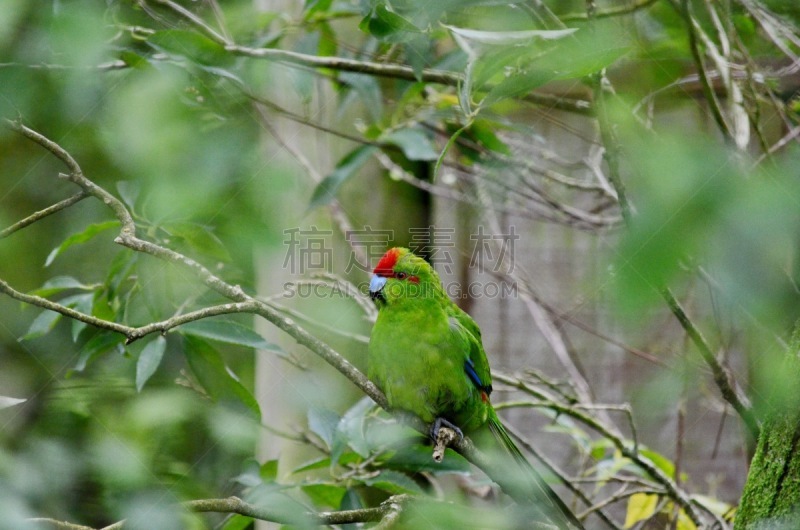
[{"x": 441, "y": 422}]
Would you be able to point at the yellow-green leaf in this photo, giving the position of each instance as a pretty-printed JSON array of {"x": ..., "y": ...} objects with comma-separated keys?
[{"x": 640, "y": 506}]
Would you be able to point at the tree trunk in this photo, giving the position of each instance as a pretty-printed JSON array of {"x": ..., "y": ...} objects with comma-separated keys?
[{"x": 771, "y": 498}]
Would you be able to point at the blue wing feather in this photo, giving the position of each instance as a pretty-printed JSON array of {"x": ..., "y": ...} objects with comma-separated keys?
[{"x": 469, "y": 367}]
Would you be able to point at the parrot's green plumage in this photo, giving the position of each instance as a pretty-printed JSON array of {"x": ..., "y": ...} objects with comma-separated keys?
[{"x": 426, "y": 355}]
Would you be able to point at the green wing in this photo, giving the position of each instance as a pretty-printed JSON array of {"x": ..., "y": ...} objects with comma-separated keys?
[{"x": 463, "y": 324}]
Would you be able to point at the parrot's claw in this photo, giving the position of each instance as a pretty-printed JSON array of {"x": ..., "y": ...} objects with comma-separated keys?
[{"x": 441, "y": 422}]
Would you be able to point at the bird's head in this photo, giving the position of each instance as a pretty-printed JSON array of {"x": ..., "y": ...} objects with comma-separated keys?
[{"x": 401, "y": 274}]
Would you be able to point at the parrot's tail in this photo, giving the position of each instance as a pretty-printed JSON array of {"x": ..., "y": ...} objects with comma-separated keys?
[{"x": 540, "y": 494}]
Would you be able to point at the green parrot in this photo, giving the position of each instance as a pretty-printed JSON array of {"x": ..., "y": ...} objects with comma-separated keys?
[{"x": 426, "y": 355}]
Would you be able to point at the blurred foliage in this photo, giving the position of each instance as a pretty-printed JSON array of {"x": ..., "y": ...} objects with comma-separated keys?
[{"x": 160, "y": 109}]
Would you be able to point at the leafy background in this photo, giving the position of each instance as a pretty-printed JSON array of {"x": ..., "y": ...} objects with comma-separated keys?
[{"x": 446, "y": 114}]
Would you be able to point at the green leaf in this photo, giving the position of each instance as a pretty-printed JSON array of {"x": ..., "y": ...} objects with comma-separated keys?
[
  {"x": 394, "y": 482},
  {"x": 268, "y": 471},
  {"x": 199, "y": 238},
  {"x": 6, "y": 402},
  {"x": 367, "y": 89},
  {"x": 414, "y": 143},
  {"x": 325, "y": 494},
  {"x": 640, "y": 507},
  {"x": 418, "y": 54},
  {"x": 272, "y": 497},
  {"x": 238, "y": 522},
  {"x": 100, "y": 344},
  {"x": 149, "y": 360},
  {"x": 350, "y": 430},
  {"x": 484, "y": 132},
  {"x": 128, "y": 191},
  {"x": 189, "y": 44},
  {"x": 346, "y": 168},
  {"x": 251, "y": 476},
  {"x": 467, "y": 38},
  {"x": 662, "y": 462},
  {"x": 313, "y": 6},
  {"x": 321, "y": 462},
  {"x": 60, "y": 283},
  {"x": 215, "y": 377},
  {"x": 80, "y": 302},
  {"x": 42, "y": 324},
  {"x": 417, "y": 458},
  {"x": 384, "y": 24},
  {"x": 81, "y": 237},
  {"x": 323, "y": 422},
  {"x": 134, "y": 60},
  {"x": 518, "y": 84},
  {"x": 229, "y": 332},
  {"x": 324, "y": 462}
]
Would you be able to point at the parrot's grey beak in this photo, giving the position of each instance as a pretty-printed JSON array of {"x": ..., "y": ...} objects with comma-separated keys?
[{"x": 376, "y": 287}]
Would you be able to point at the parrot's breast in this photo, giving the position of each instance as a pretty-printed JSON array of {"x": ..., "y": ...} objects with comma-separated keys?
[{"x": 419, "y": 363}]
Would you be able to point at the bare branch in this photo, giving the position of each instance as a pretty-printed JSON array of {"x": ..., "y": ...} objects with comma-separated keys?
[
  {"x": 66, "y": 311},
  {"x": 237, "y": 505},
  {"x": 197, "y": 21},
  {"x": 725, "y": 383},
  {"x": 128, "y": 239},
  {"x": 396, "y": 71},
  {"x": 693, "y": 28},
  {"x": 206, "y": 312},
  {"x": 41, "y": 214},
  {"x": 552, "y": 468},
  {"x": 610, "y": 12},
  {"x": 391, "y": 507},
  {"x": 630, "y": 451},
  {"x": 445, "y": 437},
  {"x": 59, "y": 525}
]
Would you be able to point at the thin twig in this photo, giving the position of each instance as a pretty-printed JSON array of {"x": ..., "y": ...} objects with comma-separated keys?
[
  {"x": 396, "y": 71},
  {"x": 41, "y": 214},
  {"x": 708, "y": 91},
  {"x": 725, "y": 383},
  {"x": 59, "y": 525},
  {"x": 128, "y": 238},
  {"x": 627, "y": 450},
  {"x": 194, "y": 19},
  {"x": 610, "y": 12},
  {"x": 235, "y": 505},
  {"x": 552, "y": 468}
]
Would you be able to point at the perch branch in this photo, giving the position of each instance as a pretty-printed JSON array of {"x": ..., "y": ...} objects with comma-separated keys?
[
  {"x": 128, "y": 238},
  {"x": 392, "y": 507}
]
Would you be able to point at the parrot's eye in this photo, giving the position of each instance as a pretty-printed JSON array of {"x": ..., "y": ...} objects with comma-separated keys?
[{"x": 401, "y": 275}]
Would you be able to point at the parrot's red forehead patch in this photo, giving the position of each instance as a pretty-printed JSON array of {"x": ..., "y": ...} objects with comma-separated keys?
[{"x": 386, "y": 265}]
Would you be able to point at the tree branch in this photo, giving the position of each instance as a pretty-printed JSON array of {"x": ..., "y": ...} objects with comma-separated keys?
[
  {"x": 390, "y": 508},
  {"x": 610, "y": 12},
  {"x": 722, "y": 377},
  {"x": 726, "y": 385},
  {"x": 628, "y": 450},
  {"x": 41, "y": 214},
  {"x": 237, "y": 505},
  {"x": 127, "y": 238},
  {"x": 393, "y": 71}
]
